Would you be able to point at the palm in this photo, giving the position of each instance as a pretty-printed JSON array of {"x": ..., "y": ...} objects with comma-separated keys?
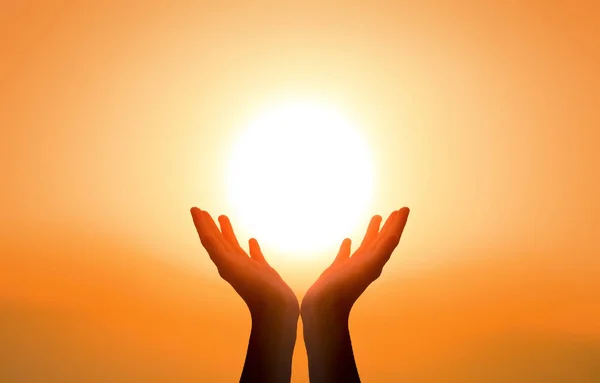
[
  {"x": 259, "y": 285},
  {"x": 346, "y": 279}
]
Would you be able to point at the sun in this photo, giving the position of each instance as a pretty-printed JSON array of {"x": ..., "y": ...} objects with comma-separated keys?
[{"x": 300, "y": 178}]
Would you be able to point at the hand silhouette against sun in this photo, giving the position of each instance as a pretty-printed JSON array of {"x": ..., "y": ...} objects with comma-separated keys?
[
  {"x": 274, "y": 307},
  {"x": 340, "y": 285},
  {"x": 326, "y": 306},
  {"x": 257, "y": 283},
  {"x": 272, "y": 304}
]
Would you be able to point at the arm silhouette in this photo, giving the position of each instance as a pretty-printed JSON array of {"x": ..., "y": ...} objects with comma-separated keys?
[
  {"x": 272, "y": 304},
  {"x": 326, "y": 306}
]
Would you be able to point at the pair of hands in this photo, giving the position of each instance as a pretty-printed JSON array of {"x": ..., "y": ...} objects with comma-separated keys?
[
  {"x": 274, "y": 307},
  {"x": 266, "y": 293}
]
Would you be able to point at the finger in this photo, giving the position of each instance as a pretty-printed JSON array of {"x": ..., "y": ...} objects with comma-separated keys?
[
  {"x": 199, "y": 223},
  {"x": 197, "y": 217},
  {"x": 255, "y": 252},
  {"x": 382, "y": 254},
  {"x": 344, "y": 252},
  {"x": 372, "y": 232},
  {"x": 389, "y": 223},
  {"x": 212, "y": 246},
  {"x": 214, "y": 249},
  {"x": 401, "y": 220},
  {"x": 385, "y": 230},
  {"x": 386, "y": 247},
  {"x": 388, "y": 244},
  {"x": 229, "y": 234},
  {"x": 213, "y": 230}
]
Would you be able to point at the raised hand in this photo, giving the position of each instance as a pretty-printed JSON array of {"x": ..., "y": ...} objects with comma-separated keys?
[
  {"x": 326, "y": 306},
  {"x": 272, "y": 304},
  {"x": 340, "y": 285}
]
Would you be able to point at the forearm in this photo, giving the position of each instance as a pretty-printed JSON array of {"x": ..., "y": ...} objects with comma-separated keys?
[
  {"x": 329, "y": 350},
  {"x": 270, "y": 350}
]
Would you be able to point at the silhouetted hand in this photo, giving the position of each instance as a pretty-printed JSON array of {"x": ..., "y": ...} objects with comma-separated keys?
[
  {"x": 326, "y": 306},
  {"x": 253, "y": 279},
  {"x": 346, "y": 279},
  {"x": 273, "y": 305}
]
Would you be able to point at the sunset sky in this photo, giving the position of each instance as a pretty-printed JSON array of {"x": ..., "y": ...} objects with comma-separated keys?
[{"x": 483, "y": 117}]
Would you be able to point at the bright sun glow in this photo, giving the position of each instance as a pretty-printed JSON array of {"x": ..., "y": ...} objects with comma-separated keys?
[{"x": 300, "y": 178}]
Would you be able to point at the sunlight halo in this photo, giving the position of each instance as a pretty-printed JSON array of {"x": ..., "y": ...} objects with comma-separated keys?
[{"x": 299, "y": 178}]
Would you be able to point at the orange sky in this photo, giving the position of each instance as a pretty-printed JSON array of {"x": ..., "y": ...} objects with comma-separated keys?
[{"x": 117, "y": 117}]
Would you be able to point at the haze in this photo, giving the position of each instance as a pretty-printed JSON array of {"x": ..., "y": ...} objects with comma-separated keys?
[{"x": 117, "y": 117}]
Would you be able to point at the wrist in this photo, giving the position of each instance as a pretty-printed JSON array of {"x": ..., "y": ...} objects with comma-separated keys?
[
  {"x": 275, "y": 325},
  {"x": 279, "y": 322},
  {"x": 324, "y": 327},
  {"x": 270, "y": 348},
  {"x": 280, "y": 314},
  {"x": 323, "y": 314},
  {"x": 317, "y": 330},
  {"x": 328, "y": 347}
]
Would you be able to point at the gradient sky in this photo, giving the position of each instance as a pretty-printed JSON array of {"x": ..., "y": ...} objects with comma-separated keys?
[{"x": 117, "y": 117}]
